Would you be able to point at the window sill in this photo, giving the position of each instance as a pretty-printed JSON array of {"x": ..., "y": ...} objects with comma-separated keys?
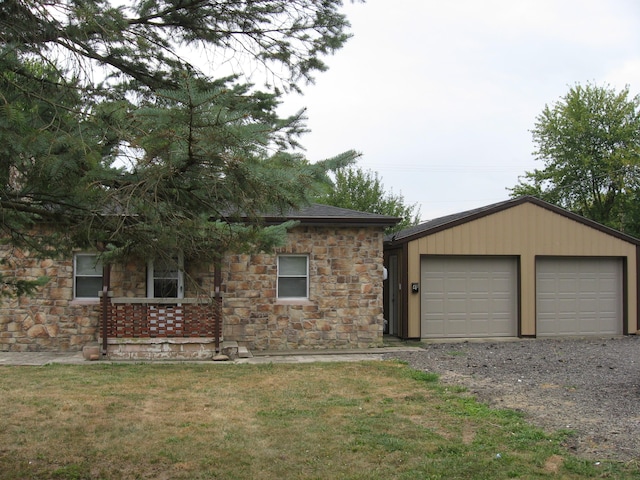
[
  {"x": 293, "y": 301},
  {"x": 84, "y": 301}
]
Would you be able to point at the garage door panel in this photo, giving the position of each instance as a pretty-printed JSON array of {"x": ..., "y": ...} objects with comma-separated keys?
[
  {"x": 457, "y": 306},
  {"x": 455, "y": 284},
  {"x": 567, "y": 285},
  {"x": 436, "y": 307},
  {"x": 546, "y": 284},
  {"x": 607, "y": 284},
  {"x": 590, "y": 326},
  {"x": 502, "y": 285},
  {"x": 588, "y": 283},
  {"x": 584, "y": 299},
  {"x": 468, "y": 297},
  {"x": 476, "y": 305},
  {"x": 588, "y": 306},
  {"x": 457, "y": 326},
  {"x": 478, "y": 286},
  {"x": 504, "y": 325}
]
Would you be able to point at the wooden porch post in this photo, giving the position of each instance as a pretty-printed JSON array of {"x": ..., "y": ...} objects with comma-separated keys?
[
  {"x": 106, "y": 284},
  {"x": 217, "y": 282}
]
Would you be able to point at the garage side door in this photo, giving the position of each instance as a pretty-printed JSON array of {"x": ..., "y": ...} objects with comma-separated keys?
[
  {"x": 468, "y": 297},
  {"x": 578, "y": 296}
]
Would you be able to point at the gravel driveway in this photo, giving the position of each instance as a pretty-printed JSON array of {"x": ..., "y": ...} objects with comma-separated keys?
[{"x": 590, "y": 385}]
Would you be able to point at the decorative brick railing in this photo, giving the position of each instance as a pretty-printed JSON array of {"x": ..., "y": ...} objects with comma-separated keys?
[{"x": 161, "y": 318}]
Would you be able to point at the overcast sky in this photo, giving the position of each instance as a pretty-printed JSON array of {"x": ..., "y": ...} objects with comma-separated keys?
[{"x": 440, "y": 96}]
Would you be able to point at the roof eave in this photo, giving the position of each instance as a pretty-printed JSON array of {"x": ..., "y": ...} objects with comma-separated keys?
[{"x": 382, "y": 222}]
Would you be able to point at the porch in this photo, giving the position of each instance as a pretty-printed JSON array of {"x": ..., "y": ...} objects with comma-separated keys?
[{"x": 161, "y": 328}]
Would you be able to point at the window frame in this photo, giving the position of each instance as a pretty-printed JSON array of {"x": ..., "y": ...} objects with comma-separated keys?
[
  {"x": 180, "y": 277},
  {"x": 305, "y": 276},
  {"x": 77, "y": 276}
]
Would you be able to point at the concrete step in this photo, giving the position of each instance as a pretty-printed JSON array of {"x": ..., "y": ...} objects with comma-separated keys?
[
  {"x": 243, "y": 352},
  {"x": 232, "y": 350}
]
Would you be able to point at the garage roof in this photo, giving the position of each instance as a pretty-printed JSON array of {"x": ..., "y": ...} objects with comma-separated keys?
[{"x": 443, "y": 223}]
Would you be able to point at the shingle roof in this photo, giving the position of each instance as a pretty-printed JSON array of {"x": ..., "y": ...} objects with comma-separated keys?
[
  {"x": 326, "y": 215},
  {"x": 449, "y": 221}
]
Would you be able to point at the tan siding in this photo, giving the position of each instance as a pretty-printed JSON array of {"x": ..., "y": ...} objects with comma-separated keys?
[
  {"x": 527, "y": 294},
  {"x": 526, "y": 230},
  {"x": 413, "y": 275},
  {"x": 474, "y": 232}
]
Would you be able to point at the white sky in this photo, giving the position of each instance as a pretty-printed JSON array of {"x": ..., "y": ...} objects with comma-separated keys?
[{"x": 440, "y": 95}]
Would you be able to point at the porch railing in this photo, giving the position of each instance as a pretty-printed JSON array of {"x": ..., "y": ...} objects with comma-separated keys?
[{"x": 162, "y": 318}]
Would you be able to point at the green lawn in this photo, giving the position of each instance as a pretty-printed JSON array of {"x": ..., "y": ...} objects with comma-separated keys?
[{"x": 373, "y": 420}]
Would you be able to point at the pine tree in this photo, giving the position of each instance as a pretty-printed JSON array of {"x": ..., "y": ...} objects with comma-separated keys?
[{"x": 109, "y": 135}]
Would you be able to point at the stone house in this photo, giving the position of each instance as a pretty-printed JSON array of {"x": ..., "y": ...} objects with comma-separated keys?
[{"x": 322, "y": 290}]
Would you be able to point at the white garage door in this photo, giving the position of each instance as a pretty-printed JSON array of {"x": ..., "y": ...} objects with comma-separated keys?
[
  {"x": 468, "y": 297},
  {"x": 578, "y": 296}
]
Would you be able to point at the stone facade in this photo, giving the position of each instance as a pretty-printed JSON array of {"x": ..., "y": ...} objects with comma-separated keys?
[
  {"x": 344, "y": 308},
  {"x": 51, "y": 320}
]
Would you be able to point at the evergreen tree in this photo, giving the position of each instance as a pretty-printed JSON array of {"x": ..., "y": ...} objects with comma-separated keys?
[{"x": 110, "y": 136}]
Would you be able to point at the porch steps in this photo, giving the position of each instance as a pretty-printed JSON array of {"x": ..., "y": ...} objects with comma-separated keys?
[
  {"x": 232, "y": 350},
  {"x": 243, "y": 352}
]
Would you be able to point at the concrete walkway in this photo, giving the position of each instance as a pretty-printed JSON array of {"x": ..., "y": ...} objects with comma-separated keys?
[
  {"x": 76, "y": 358},
  {"x": 40, "y": 358}
]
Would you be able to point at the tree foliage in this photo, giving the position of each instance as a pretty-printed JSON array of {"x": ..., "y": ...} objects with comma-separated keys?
[
  {"x": 110, "y": 135},
  {"x": 362, "y": 190},
  {"x": 144, "y": 42},
  {"x": 589, "y": 141}
]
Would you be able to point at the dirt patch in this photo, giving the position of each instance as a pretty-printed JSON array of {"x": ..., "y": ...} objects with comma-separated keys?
[
  {"x": 588, "y": 386},
  {"x": 553, "y": 464}
]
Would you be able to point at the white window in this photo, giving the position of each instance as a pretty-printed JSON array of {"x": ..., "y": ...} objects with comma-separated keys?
[
  {"x": 293, "y": 276},
  {"x": 165, "y": 278},
  {"x": 87, "y": 275}
]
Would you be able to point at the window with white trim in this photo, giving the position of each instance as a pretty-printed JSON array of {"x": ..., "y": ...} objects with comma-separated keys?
[
  {"x": 165, "y": 278},
  {"x": 87, "y": 275},
  {"x": 293, "y": 276}
]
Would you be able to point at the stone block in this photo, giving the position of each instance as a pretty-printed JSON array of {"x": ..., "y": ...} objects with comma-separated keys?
[
  {"x": 52, "y": 330},
  {"x": 91, "y": 352},
  {"x": 37, "y": 331},
  {"x": 12, "y": 327},
  {"x": 366, "y": 288},
  {"x": 323, "y": 325}
]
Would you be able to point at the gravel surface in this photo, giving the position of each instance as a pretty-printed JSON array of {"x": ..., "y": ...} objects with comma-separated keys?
[{"x": 589, "y": 386}]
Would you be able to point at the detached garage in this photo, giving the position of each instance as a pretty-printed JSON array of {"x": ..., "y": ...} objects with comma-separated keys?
[{"x": 522, "y": 267}]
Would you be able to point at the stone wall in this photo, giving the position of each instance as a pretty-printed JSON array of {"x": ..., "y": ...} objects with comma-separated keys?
[
  {"x": 50, "y": 320},
  {"x": 344, "y": 309}
]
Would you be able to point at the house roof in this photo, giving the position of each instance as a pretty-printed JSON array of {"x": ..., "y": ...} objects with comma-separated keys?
[
  {"x": 443, "y": 223},
  {"x": 326, "y": 215}
]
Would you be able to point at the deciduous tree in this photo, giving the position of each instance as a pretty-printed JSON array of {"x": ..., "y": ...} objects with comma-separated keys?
[
  {"x": 589, "y": 142},
  {"x": 357, "y": 189}
]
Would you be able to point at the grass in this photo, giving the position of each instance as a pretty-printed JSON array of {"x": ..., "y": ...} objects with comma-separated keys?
[{"x": 373, "y": 420}]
